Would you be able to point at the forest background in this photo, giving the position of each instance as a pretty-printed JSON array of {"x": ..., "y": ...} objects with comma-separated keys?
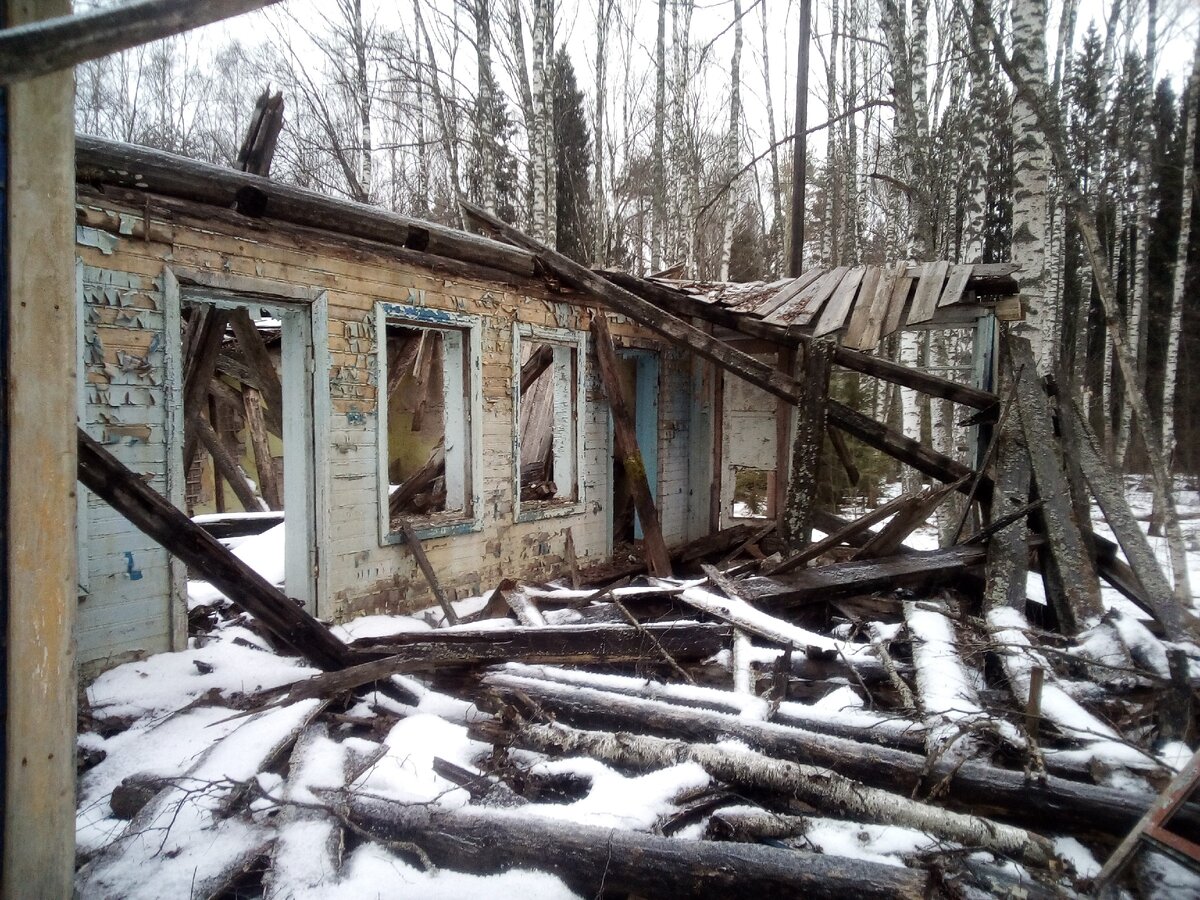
[{"x": 641, "y": 135}]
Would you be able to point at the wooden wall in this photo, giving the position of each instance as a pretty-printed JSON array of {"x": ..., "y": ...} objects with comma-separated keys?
[{"x": 359, "y": 572}]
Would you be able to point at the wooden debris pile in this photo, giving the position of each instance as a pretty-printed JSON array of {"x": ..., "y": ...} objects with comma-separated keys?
[{"x": 806, "y": 716}]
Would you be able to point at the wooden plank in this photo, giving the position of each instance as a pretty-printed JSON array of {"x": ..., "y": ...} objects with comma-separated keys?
[
  {"x": 1071, "y": 557},
  {"x": 226, "y": 466},
  {"x": 153, "y": 514},
  {"x": 625, "y": 435},
  {"x": 202, "y": 343},
  {"x": 258, "y": 358},
  {"x": 264, "y": 462},
  {"x": 929, "y": 289},
  {"x": 906, "y": 521},
  {"x": 801, "y": 309},
  {"x": 840, "y": 536},
  {"x": 848, "y": 579},
  {"x": 839, "y": 305},
  {"x": 414, "y": 544},
  {"x": 955, "y": 284},
  {"x": 810, "y": 415},
  {"x": 860, "y": 318},
  {"x": 897, "y": 304},
  {"x": 781, "y": 297},
  {"x": 38, "y": 48}
]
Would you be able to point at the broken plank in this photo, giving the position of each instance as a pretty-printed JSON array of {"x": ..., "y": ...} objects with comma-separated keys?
[
  {"x": 897, "y": 304},
  {"x": 799, "y": 311},
  {"x": 906, "y": 521},
  {"x": 929, "y": 289},
  {"x": 1080, "y": 595},
  {"x": 226, "y": 466},
  {"x": 264, "y": 462},
  {"x": 866, "y": 323},
  {"x": 258, "y": 359},
  {"x": 205, "y": 331},
  {"x": 955, "y": 284},
  {"x": 153, "y": 514},
  {"x": 840, "y": 536},
  {"x": 839, "y": 305},
  {"x": 625, "y": 437},
  {"x": 413, "y": 543}
]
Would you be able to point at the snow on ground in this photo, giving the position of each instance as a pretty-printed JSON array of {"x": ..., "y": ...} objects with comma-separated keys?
[{"x": 174, "y": 717}]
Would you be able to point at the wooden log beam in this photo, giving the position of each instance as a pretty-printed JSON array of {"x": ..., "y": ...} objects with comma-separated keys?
[
  {"x": 983, "y": 788},
  {"x": 539, "y": 361},
  {"x": 38, "y": 48},
  {"x": 842, "y": 535},
  {"x": 905, "y": 449},
  {"x": 809, "y": 413},
  {"x": 594, "y": 860},
  {"x": 1078, "y": 602},
  {"x": 418, "y": 481},
  {"x": 1109, "y": 492},
  {"x": 413, "y": 542},
  {"x": 226, "y": 466},
  {"x": 630, "y": 454},
  {"x": 102, "y": 161},
  {"x": 641, "y": 311},
  {"x": 819, "y": 787},
  {"x": 154, "y": 516}
]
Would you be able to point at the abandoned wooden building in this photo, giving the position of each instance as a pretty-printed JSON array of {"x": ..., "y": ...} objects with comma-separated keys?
[{"x": 252, "y": 346}]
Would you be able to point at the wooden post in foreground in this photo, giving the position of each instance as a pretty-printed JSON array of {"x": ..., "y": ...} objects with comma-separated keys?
[{"x": 811, "y": 408}]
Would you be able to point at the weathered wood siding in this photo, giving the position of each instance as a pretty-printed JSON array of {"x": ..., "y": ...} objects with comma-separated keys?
[
  {"x": 359, "y": 571},
  {"x": 125, "y": 577}
]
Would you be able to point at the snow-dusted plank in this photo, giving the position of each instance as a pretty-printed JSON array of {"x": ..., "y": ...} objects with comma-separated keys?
[{"x": 741, "y": 614}]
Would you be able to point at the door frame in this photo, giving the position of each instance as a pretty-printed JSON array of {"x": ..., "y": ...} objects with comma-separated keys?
[{"x": 305, "y": 325}]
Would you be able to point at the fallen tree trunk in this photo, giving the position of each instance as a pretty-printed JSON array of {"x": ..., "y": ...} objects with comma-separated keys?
[
  {"x": 153, "y": 515},
  {"x": 983, "y": 788},
  {"x": 598, "y": 860},
  {"x": 819, "y": 787}
]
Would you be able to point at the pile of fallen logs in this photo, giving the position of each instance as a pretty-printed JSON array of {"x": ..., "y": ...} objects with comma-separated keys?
[{"x": 884, "y": 690}]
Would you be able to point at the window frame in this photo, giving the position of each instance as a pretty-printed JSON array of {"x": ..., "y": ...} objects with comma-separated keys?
[
  {"x": 470, "y": 446},
  {"x": 566, "y": 339}
]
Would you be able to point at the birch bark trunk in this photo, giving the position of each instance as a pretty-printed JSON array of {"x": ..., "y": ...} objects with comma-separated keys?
[
  {"x": 731, "y": 140},
  {"x": 1031, "y": 167}
]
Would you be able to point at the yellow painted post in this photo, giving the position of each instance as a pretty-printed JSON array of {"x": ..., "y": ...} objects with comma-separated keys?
[{"x": 39, "y": 752}]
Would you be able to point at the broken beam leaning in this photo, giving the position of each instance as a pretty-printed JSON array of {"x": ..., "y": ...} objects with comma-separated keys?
[
  {"x": 680, "y": 304},
  {"x": 153, "y": 515},
  {"x": 27, "y": 51},
  {"x": 627, "y": 446}
]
